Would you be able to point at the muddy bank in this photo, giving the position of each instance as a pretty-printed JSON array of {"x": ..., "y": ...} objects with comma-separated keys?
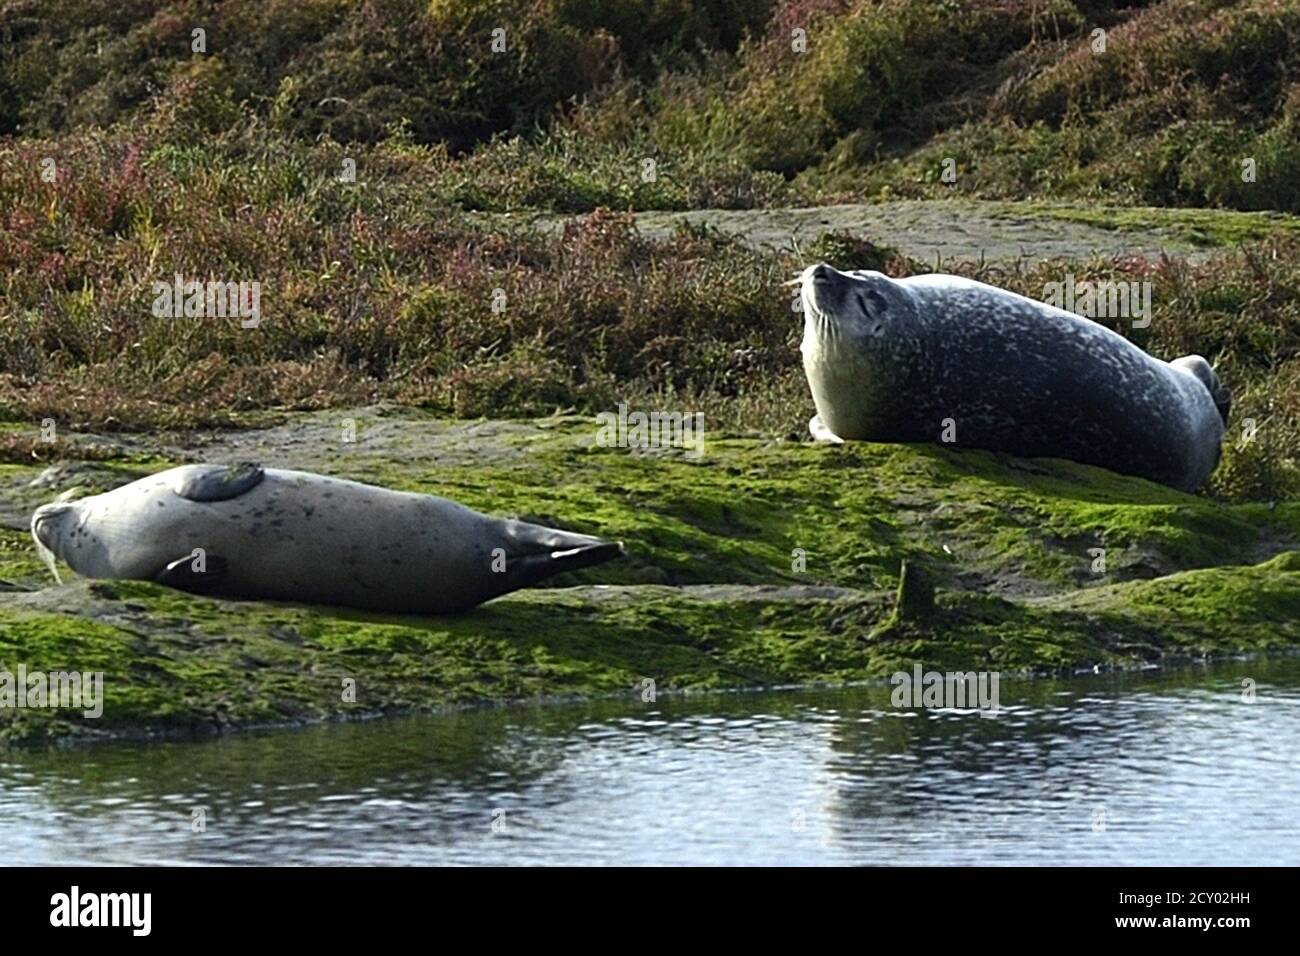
[
  {"x": 935, "y": 232},
  {"x": 763, "y": 562}
]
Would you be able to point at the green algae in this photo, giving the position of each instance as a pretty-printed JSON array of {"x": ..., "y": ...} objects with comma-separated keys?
[
  {"x": 18, "y": 562},
  {"x": 762, "y": 562},
  {"x": 1200, "y": 228}
]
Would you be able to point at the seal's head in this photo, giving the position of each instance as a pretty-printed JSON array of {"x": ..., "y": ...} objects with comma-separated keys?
[
  {"x": 861, "y": 335},
  {"x": 852, "y": 306}
]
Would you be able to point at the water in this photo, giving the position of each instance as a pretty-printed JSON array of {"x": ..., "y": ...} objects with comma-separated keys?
[{"x": 1136, "y": 769}]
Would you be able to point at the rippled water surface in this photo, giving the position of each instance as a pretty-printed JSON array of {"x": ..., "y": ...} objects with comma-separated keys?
[{"x": 1158, "y": 768}]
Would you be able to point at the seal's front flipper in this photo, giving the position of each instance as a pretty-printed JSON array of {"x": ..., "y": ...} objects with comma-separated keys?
[
  {"x": 197, "y": 574},
  {"x": 817, "y": 428},
  {"x": 217, "y": 482},
  {"x": 527, "y": 569}
]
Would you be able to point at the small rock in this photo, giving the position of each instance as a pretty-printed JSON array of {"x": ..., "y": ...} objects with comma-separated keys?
[
  {"x": 652, "y": 575},
  {"x": 55, "y": 476},
  {"x": 915, "y": 594}
]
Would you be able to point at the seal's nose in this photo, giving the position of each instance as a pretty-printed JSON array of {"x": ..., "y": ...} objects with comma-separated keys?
[{"x": 822, "y": 273}]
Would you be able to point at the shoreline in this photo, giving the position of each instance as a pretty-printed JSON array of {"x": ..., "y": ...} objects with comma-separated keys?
[
  {"x": 144, "y": 735},
  {"x": 707, "y": 597}
]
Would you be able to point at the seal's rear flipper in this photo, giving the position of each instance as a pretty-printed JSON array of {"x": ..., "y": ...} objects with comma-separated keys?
[
  {"x": 1204, "y": 372},
  {"x": 817, "y": 428},
  {"x": 527, "y": 569},
  {"x": 194, "y": 574}
]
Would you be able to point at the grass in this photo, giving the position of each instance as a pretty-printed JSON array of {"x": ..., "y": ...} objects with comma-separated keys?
[
  {"x": 734, "y": 102},
  {"x": 132, "y": 158},
  {"x": 377, "y": 291}
]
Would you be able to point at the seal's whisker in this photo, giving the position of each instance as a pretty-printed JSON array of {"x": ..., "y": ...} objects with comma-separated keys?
[{"x": 48, "y": 559}]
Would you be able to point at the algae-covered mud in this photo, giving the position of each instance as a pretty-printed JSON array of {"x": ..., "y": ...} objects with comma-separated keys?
[
  {"x": 942, "y": 231},
  {"x": 752, "y": 562}
]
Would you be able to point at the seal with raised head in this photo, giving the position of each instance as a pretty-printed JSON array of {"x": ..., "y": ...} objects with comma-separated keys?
[
  {"x": 249, "y": 532},
  {"x": 936, "y": 357}
]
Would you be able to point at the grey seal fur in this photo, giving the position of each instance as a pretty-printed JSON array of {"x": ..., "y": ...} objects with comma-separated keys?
[
  {"x": 890, "y": 360},
  {"x": 249, "y": 532}
]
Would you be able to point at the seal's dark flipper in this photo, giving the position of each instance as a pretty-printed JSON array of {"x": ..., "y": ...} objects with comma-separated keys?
[
  {"x": 1205, "y": 373},
  {"x": 528, "y": 569},
  {"x": 198, "y": 575},
  {"x": 1223, "y": 402},
  {"x": 217, "y": 482}
]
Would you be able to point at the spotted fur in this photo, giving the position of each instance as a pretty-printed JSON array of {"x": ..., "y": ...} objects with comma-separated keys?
[{"x": 894, "y": 360}]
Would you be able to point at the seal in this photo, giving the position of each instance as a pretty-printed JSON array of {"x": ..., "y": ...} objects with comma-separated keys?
[
  {"x": 941, "y": 358},
  {"x": 249, "y": 532}
]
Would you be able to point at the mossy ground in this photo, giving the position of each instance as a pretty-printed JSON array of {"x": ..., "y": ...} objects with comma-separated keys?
[
  {"x": 712, "y": 593},
  {"x": 1197, "y": 227}
]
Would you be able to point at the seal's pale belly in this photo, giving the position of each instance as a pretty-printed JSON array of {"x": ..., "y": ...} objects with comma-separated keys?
[{"x": 979, "y": 367}]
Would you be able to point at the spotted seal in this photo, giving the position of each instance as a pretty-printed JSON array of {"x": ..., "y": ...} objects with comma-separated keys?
[
  {"x": 943, "y": 358},
  {"x": 250, "y": 532}
]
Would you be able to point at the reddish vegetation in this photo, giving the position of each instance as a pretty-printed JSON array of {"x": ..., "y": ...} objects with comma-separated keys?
[{"x": 225, "y": 166}]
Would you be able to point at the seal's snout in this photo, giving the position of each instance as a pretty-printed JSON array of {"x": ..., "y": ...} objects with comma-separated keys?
[
  {"x": 823, "y": 275},
  {"x": 827, "y": 293}
]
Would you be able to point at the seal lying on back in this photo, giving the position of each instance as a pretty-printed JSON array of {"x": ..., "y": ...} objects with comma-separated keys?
[
  {"x": 293, "y": 536},
  {"x": 907, "y": 360}
]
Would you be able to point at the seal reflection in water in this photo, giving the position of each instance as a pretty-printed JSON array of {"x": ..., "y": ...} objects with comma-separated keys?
[
  {"x": 289, "y": 535},
  {"x": 902, "y": 360}
]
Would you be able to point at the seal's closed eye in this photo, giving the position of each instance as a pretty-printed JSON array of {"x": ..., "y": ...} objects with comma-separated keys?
[{"x": 873, "y": 306}]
